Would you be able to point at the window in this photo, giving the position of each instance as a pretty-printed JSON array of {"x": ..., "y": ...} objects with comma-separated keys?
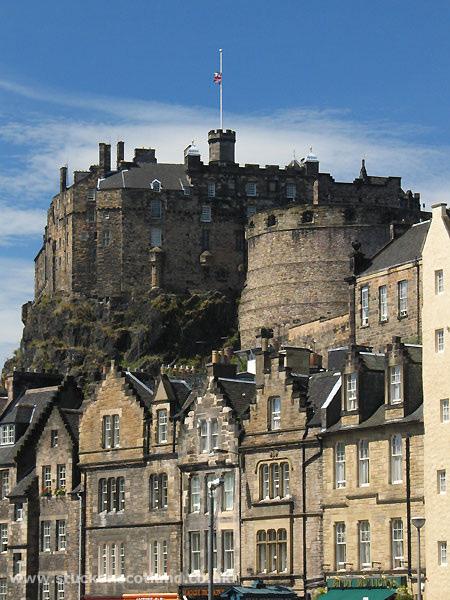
[
  {"x": 228, "y": 550},
  {"x": 439, "y": 281},
  {"x": 111, "y": 494},
  {"x": 61, "y": 477},
  {"x": 106, "y": 238},
  {"x": 339, "y": 456},
  {"x": 158, "y": 491},
  {"x": 341, "y": 546},
  {"x": 445, "y": 411},
  {"x": 155, "y": 208},
  {"x": 274, "y": 480},
  {"x": 60, "y": 591},
  {"x": 351, "y": 391},
  {"x": 45, "y": 536},
  {"x": 60, "y": 535},
  {"x": 205, "y": 216},
  {"x": 291, "y": 191},
  {"x": 275, "y": 413},
  {"x": 439, "y": 340},
  {"x": 44, "y": 589},
  {"x": 161, "y": 418},
  {"x": 194, "y": 551},
  {"x": 155, "y": 237},
  {"x": 17, "y": 563},
  {"x": 441, "y": 481},
  {"x": 208, "y": 435},
  {"x": 111, "y": 560},
  {"x": 156, "y": 185},
  {"x": 383, "y": 303},
  {"x": 4, "y": 483},
  {"x": 91, "y": 194},
  {"x": 7, "y": 435},
  {"x": 46, "y": 478},
  {"x": 228, "y": 491},
  {"x": 211, "y": 189},
  {"x": 18, "y": 511},
  {"x": 395, "y": 384},
  {"x": 364, "y": 545},
  {"x": 396, "y": 459},
  {"x": 250, "y": 211},
  {"x": 111, "y": 431},
  {"x": 54, "y": 438},
  {"x": 402, "y": 290},
  {"x": 271, "y": 551},
  {"x": 195, "y": 494},
  {"x": 204, "y": 239},
  {"x": 363, "y": 462},
  {"x": 397, "y": 543},
  {"x": 3, "y": 537},
  {"x": 250, "y": 188},
  {"x": 4, "y": 589},
  {"x": 159, "y": 554},
  {"x": 207, "y": 549},
  {"x": 364, "y": 306},
  {"x": 442, "y": 554}
]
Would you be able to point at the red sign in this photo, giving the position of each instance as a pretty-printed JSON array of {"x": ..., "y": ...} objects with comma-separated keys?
[{"x": 150, "y": 596}]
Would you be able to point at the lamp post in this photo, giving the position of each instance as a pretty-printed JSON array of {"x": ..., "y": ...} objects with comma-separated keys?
[
  {"x": 418, "y": 523},
  {"x": 212, "y": 487}
]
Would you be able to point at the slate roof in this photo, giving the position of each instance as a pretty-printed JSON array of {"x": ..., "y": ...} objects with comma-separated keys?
[
  {"x": 142, "y": 389},
  {"x": 406, "y": 248},
  {"x": 320, "y": 387},
  {"x": 23, "y": 486},
  {"x": 171, "y": 176},
  {"x": 71, "y": 418},
  {"x": 378, "y": 419},
  {"x": 373, "y": 362},
  {"x": 239, "y": 392}
]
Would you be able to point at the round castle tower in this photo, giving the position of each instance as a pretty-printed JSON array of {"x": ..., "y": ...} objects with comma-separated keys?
[{"x": 298, "y": 258}]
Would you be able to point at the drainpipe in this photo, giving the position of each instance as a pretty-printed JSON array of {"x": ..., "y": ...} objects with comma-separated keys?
[
  {"x": 80, "y": 545},
  {"x": 408, "y": 501},
  {"x": 304, "y": 529},
  {"x": 419, "y": 307}
]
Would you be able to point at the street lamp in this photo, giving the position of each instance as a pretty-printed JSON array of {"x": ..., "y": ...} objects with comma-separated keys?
[
  {"x": 212, "y": 487},
  {"x": 418, "y": 523}
]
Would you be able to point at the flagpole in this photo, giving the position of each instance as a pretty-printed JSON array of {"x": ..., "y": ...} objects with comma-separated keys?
[{"x": 220, "y": 92}]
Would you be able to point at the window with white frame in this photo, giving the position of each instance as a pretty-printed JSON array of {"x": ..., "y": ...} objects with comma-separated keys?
[
  {"x": 44, "y": 590},
  {"x": 250, "y": 188},
  {"x": 291, "y": 191},
  {"x": 211, "y": 189},
  {"x": 365, "y": 306},
  {"x": 155, "y": 237},
  {"x": 228, "y": 491},
  {"x": 364, "y": 545},
  {"x": 45, "y": 536},
  {"x": 442, "y": 554},
  {"x": 208, "y": 435},
  {"x": 61, "y": 477},
  {"x": 402, "y": 291},
  {"x": 228, "y": 549},
  {"x": 7, "y": 434},
  {"x": 156, "y": 185},
  {"x": 195, "y": 494},
  {"x": 54, "y": 438},
  {"x": 339, "y": 457},
  {"x": 60, "y": 588},
  {"x": 3, "y": 537},
  {"x": 162, "y": 423},
  {"x": 111, "y": 494},
  {"x": 274, "y": 480},
  {"x": 397, "y": 543},
  {"x": 159, "y": 558},
  {"x": 111, "y": 431},
  {"x": 61, "y": 540},
  {"x": 442, "y": 481},
  {"x": 155, "y": 208},
  {"x": 194, "y": 551},
  {"x": 445, "y": 410},
  {"x": 439, "y": 340},
  {"x": 4, "y": 483},
  {"x": 351, "y": 391},
  {"x": 206, "y": 214},
  {"x": 106, "y": 238},
  {"x": 4, "y": 589},
  {"x": 396, "y": 459},
  {"x": 46, "y": 478},
  {"x": 395, "y": 384},
  {"x": 363, "y": 463},
  {"x": 274, "y": 413},
  {"x": 340, "y": 546},
  {"x": 383, "y": 303},
  {"x": 18, "y": 511},
  {"x": 17, "y": 563},
  {"x": 439, "y": 281},
  {"x": 111, "y": 561},
  {"x": 158, "y": 491}
]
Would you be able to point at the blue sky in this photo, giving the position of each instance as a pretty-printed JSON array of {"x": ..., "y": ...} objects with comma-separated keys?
[{"x": 350, "y": 78}]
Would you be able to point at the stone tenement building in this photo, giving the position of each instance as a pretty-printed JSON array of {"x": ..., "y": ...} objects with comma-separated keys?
[
  {"x": 181, "y": 227},
  {"x": 321, "y": 473}
]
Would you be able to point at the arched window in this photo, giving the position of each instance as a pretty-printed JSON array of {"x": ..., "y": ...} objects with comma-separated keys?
[
  {"x": 274, "y": 480},
  {"x": 261, "y": 547}
]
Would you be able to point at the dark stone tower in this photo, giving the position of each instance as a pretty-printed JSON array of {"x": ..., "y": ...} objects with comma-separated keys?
[{"x": 221, "y": 146}]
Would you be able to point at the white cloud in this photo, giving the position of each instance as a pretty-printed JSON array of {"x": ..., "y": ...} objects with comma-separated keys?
[{"x": 19, "y": 222}]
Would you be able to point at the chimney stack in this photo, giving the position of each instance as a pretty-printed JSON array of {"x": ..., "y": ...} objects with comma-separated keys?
[
  {"x": 104, "y": 158},
  {"x": 63, "y": 179},
  {"x": 120, "y": 153}
]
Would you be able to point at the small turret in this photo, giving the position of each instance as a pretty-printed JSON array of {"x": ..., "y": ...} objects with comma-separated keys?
[
  {"x": 363, "y": 173},
  {"x": 221, "y": 145}
]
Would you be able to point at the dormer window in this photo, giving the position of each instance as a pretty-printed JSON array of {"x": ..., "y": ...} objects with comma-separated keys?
[
  {"x": 364, "y": 306},
  {"x": 162, "y": 422},
  {"x": 156, "y": 185},
  {"x": 351, "y": 391},
  {"x": 209, "y": 435},
  {"x": 402, "y": 298},
  {"x": 7, "y": 434},
  {"x": 395, "y": 384},
  {"x": 275, "y": 413}
]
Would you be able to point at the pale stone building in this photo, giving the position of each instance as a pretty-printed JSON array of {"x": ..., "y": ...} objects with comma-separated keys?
[{"x": 436, "y": 369}]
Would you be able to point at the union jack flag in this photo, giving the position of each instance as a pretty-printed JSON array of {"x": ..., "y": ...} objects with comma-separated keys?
[{"x": 218, "y": 78}]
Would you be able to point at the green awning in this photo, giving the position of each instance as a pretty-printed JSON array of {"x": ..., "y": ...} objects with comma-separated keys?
[{"x": 371, "y": 594}]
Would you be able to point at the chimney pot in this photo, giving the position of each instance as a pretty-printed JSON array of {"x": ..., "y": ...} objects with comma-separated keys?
[
  {"x": 120, "y": 153},
  {"x": 63, "y": 179}
]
